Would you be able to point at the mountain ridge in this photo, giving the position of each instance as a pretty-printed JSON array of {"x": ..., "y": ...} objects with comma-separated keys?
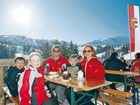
[
  {"x": 118, "y": 40},
  {"x": 23, "y": 40}
]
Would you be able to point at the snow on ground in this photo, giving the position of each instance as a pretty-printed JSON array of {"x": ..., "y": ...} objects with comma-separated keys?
[
  {"x": 129, "y": 56},
  {"x": 101, "y": 54}
]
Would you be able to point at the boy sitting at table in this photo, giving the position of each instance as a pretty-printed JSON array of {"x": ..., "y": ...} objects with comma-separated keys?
[
  {"x": 73, "y": 66},
  {"x": 13, "y": 74}
]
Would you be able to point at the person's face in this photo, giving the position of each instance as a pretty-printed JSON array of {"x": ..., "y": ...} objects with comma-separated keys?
[
  {"x": 35, "y": 61},
  {"x": 73, "y": 61},
  {"x": 135, "y": 56},
  {"x": 56, "y": 52},
  {"x": 88, "y": 52},
  {"x": 122, "y": 59},
  {"x": 20, "y": 63}
]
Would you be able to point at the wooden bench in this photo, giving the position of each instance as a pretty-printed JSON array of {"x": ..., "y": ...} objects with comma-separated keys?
[
  {"x": 111, "y": 100},
  {"x": 118, "y": 92},
  {"x": 8, "y": 95},
  {"x": 115, "y": 97}
]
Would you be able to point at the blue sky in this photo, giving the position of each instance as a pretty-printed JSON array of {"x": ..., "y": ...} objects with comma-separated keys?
[{"x": 81, "y": 21}]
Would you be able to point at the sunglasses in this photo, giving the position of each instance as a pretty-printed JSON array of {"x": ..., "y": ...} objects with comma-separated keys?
[
  {"x": 56, "y": 51},
  {"x": 85, "y": 51}
]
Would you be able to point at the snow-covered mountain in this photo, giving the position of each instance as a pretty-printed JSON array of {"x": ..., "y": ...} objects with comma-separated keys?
[
  {"x": 22, "y": 44},
  {"x": 20, "y": 40},
  {"x": 23, "y": 40},
  {"x": 119, "y": 40},
  {"x": 103, "y": 47}
]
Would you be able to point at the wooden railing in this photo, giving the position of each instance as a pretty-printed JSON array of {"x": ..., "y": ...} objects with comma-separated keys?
[{"x": 4, "y": 62}]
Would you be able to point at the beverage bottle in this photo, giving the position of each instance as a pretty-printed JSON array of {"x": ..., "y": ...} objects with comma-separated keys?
[{"x": 46, "y": 69}]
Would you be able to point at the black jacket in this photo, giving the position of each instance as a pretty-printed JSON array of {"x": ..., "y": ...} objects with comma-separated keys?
[
  {"x": 12, "y": 78},
  {"x": 113, "y": 63}
]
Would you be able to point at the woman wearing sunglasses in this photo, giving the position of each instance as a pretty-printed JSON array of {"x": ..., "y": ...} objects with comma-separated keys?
[
  {"x": 93, "y": 68},
  {"x": 94, "y": 71}
]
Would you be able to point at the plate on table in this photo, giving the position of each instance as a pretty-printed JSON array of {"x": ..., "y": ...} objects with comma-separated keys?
[
  {"x": 52, "y": 73},
  {"x": 66, "y": 80},
  {"x": 54, "y": 76},
  {"x": 57, "y": 78}
]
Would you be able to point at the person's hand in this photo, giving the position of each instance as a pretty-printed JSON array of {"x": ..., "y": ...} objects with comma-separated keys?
[
  {"x": 48, "y": 94},
  {"x": 59, "y": 71},
  {"x": 46, "y": 88}
]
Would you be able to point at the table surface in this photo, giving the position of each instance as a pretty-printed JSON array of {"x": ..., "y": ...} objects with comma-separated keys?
[
  {"x": 88, "y": 85},
  {"x": 125, "y": 73}
]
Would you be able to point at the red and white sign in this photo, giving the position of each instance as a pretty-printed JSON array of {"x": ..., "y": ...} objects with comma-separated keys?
[{"x": 134, "y": 27}]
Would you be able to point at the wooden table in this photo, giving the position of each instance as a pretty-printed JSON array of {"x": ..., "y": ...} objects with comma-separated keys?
[
  {"x": 88, "y": 85},
  {"x": 127, "y": 78},
  {"x": 123, "y": 73}
]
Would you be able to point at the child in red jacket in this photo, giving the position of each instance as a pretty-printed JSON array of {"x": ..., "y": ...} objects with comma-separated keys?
[{"x": 32, "y": 90}]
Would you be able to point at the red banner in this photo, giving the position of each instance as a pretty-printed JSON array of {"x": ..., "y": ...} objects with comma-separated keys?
[{"x": 134, "y": 28}]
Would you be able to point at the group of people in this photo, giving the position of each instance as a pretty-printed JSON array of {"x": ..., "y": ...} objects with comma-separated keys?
[{"x": 27, "y": 83}]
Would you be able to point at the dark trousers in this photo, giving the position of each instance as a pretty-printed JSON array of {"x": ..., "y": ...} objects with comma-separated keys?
[
  {"x": 51, "y": 101},
  {"x": 86, "y": 99},
  {"x": 115, "y": 78}
]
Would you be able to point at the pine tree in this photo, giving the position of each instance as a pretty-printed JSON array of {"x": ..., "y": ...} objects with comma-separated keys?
[{"x": 46, "y": 50}]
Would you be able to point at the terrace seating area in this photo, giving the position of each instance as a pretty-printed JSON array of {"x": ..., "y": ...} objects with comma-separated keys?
[{"x": 106, "y": 96}]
